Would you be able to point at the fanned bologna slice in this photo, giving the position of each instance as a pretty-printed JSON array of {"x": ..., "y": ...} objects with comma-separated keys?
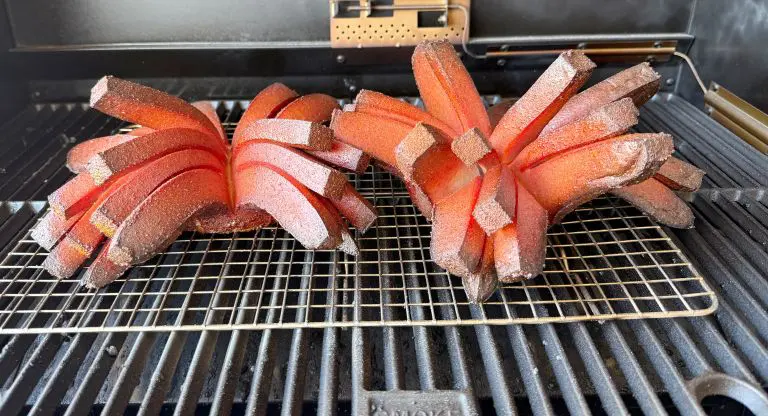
[
  {"x": 360, "y": 213},
  {"x": 315, "y": 108},
  {"x": 116, "y": 207},
  {"x": 378, "y": 104},
  {"x": 567, "y": 181},
  {"x": 294, "y": 207},
  {"x": 523, "y": 122},
  {"x": 75, "y": 196},
  {"x": 51, "y": 228},
  {"x": 495, "y": 207},
  {"x": 79, "y": 242},
  {"x": 520, "y": 247},
  {"x": 140, "y": 150},
  {"x": 421, "y": 154},
  {"x": 80, "y": 154},
  {"x": 102, "y": 270},
  {"x": 608, "y": 121},
  {"x": 639, "y": 83},
  {"x": 457, "y": 239},
  {"x": 344, "y": 156},
  {"x": 294, "y": 133},
  {"x": 374, "y": 135},
  {"x": 157, "y": 218},
  {"x": 147, "y": 106},
  {"x": 420, "y": 200},
  {"x": 207, "y": 109},
  {"x": 266, "y": 104},
  {"x": 347, "y": 244},
  {"x": 63, "y": 261},
  {"x": 314, "y": 175},
  {"x": 84, "y": 236},
  {"x": 658, "y": 202},
  {"x": 447, "y": 89},
  {"x": 481, "y": 284},
  {"x": 430, "y": 163},
  {"x": 679, "y": 176}
]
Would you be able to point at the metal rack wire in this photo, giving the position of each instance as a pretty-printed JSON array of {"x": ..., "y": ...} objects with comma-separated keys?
[{"x": 604, "y": 261}]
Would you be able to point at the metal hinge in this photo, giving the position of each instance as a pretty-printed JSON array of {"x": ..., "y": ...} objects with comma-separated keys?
[{"x": 371, "y": 23}]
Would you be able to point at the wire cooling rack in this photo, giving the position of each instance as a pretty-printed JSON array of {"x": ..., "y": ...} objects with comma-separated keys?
[{"x": 604, "y": 261}]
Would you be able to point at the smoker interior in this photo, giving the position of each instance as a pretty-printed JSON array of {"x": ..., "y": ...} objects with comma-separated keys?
[
  {"x": 615, "y": 367},
  {"x": 51, "y": 54}
]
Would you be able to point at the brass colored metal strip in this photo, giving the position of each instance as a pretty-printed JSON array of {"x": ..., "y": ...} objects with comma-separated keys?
[
  {"x": 737, "y": 130},
  {"x": 743, "y": 119},
  {"x": 602, "y": 51}
]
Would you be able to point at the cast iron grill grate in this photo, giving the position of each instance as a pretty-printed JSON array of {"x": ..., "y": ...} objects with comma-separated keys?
[
  {"x": 652, "y": 367},
  {"x": 604, "y": 261}
]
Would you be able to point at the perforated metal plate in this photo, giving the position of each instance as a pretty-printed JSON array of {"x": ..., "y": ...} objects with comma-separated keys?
[{"x": 401, "y": 23}]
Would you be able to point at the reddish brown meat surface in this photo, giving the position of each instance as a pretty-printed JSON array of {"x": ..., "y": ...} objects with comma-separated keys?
[
  {"x": 147, "y": 106},
  {"x": 523, "y": 122},
  {"x": 157, "y": 218},
  {"x": 298, "y": 210},
  {"x": 639, "y": 83},
  {"x": 314, "y": 175},
  {"x": 144, "y": 149},
  {"x": 78, "y": 156},
  {"x": 447, "y": 89},
  {"x": 519, "y": 247},
  {"x": 457, "y": 239},
  {"x": 658, "y": 202},
  {"x": 294, "y": 133},
  {"x": 680, "y": 176},
  {"x": 378, "y": 104},
  {"x": 374, "y": 135},
  {"x": 266, "y": 104},
  {"x": 113, "y": 210},
  {"x": 531, "y": 160},
  {"x": 343, "y": 156},
  {"x": 565, "y": 182},
  {"x": 315, "y": 108},
  {"x": 134, "y": 194}
]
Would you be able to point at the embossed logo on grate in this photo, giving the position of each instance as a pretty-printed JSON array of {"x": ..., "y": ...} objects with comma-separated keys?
[{"x": 604, "y": 261}]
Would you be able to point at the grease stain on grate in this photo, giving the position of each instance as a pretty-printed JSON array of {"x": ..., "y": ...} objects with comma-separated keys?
[{"x": 604, "y": 261}]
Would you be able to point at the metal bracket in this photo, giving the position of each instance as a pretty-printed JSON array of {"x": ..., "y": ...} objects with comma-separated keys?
[
  {"x": 371, "y": 23},
  {"x": 738, "y": 116}
]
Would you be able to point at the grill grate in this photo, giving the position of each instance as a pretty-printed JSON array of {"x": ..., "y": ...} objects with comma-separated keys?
[
  {"x": 615, "y": 367},
  {"x": 604, "y": 261}
]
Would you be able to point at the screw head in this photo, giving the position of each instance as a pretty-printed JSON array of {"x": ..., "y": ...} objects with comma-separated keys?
[
  {"x": 582, "y": 45},
  {"x": 341, "y": 58},
  {"x": 501, "y": 62},
  {"x": 670, "y": 82},
  {"x": 657, "y": 44},
  {"x": 504, "y": 48}
]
